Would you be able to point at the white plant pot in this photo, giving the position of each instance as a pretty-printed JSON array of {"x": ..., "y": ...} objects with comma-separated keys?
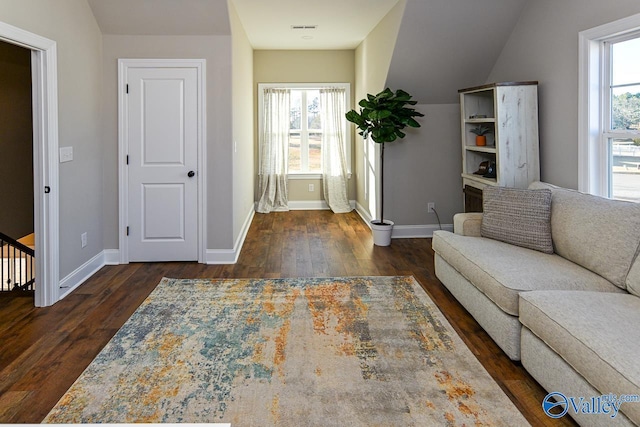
[{"x": 381, "y": 232}]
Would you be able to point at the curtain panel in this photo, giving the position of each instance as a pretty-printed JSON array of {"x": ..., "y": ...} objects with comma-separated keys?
[
  {"x": 334, "y": 159},
  {"x": 274, "y": 152}
]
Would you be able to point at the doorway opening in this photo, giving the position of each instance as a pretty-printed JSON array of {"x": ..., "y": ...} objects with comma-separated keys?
[
  {"x": 17, "y": 239},
  {"x": 44, "y": 106}
]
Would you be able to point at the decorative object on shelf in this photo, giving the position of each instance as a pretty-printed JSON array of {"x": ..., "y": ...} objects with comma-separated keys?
[
  {"x": 491, "y": 170},
  {"x": 481, "y": 134},
  {"x": 487, "y": 169},
  {"x": 382, "y": 117},
  {"x": 482, "y": 168}
]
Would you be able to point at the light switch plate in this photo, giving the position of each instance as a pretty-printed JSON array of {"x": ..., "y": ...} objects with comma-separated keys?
[{"x": 66, "y": 154}]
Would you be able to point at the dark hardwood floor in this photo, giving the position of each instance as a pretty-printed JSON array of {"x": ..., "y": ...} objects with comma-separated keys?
[{"x": 43, "y": 351}]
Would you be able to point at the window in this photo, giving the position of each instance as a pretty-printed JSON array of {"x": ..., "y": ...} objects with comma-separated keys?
[
  {"x": 306, "y": 127},
  {"x": 609, "y": 110},
  {"x": 621, "y": 114},
  {"x": 305, "y": 132}
]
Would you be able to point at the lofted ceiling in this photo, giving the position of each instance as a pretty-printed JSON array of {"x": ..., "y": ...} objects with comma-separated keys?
[
  {"x": 442, "y": 45},
  {"x": 446, "y": 45},
  {"x": 341, "y": 24},
  {"x": 162, "y": 17}
]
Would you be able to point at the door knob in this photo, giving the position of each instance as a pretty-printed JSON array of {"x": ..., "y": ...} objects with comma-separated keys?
[{"x": 191, "y": 174}]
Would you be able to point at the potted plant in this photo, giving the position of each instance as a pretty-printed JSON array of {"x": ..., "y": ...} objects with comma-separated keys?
[
  {"x": 481, "y": 134},
  {"x": 382, "y": 117}
]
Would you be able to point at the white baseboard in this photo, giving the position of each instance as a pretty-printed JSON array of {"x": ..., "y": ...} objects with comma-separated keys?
[
  {"x": 111, "y": 256},
  {"x": 308, "y": 205},
  {"x": 222, "y": 256},
  {"x": 230, "y": 256},
  {"x": 313, "y": 205},
  {"x": 81, "y": 274},
  {"x": 417, "y": 231},
  {"x": 364, "y": 214},
  {"x": 213, "y": 256},
  {"x": 405, "y": 231}
]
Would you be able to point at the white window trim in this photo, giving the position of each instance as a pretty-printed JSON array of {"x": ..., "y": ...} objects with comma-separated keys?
[
  {"x": 345, "y": 86},
  {"x": 592, "y": 153}
]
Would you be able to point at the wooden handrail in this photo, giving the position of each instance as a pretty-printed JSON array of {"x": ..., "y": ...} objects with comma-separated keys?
[{"x": 13, "y": 242}]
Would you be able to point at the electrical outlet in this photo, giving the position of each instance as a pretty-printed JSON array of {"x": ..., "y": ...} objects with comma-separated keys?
[
  {"x": 431, "y": 206},
  {"x": 66, "y": 154},
  {"x": 312, "y": 188},
  {"x": 83, "y": 239}
]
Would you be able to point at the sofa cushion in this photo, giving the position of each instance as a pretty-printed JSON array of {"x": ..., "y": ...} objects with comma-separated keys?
[
  {"x": 633, "y": 278},
  {"x": 501, "y": 271},
  {"x": 467, "y": 223},
  {"x": 600, "y": 234},
  {"x": 596, "y": 333},
  {"x": 518, "y": 216}
]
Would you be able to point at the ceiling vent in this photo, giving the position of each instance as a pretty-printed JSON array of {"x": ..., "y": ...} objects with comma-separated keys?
[{"x": 304, "y": 27}]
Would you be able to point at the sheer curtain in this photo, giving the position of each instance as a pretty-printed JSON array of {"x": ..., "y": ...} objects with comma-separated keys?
[
  {"x": 334, "y": 160},
  {"x": 274, "y": 152}
]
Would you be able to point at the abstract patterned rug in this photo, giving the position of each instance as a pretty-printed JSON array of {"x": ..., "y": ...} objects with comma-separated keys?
[{"x": 357, "y": 351}]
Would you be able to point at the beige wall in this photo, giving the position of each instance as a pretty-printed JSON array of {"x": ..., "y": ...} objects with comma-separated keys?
[
  {"x": 216, "y": 50},
  {"x": 372, "y": 60},
  {"x": 243, "y": 133},
  {"x": 16, "y": 142},
  {"x": 72, "y": 26},
  {"x": 544, "y": 47},
  {"x": 304, "y": 66}
]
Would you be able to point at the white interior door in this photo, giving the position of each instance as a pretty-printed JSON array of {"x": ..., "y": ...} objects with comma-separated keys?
[{"x": 162, "y": 135}]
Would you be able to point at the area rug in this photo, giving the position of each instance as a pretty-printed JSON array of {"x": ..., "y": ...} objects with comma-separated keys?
[{"x": 356, "y": 351}]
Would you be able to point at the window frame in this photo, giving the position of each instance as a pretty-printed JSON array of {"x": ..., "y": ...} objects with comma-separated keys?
[
  {"x": 609, "y": 134},
  {"x": 593, "y": 103},
  {"x": 304, "y": 131},
  {"x": 308, "y": 86}
]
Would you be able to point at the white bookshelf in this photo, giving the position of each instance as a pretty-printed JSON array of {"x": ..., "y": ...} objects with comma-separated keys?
[{"x": 510, "y": 110}]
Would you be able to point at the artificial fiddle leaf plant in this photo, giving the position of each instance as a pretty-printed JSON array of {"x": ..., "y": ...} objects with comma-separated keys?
[{"x": 382, "y": 117}]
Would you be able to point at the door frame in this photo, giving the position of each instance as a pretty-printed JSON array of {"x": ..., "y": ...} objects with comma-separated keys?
[
  {"x": 44, "y": 83},
  {"x": 123, "y": 147}
]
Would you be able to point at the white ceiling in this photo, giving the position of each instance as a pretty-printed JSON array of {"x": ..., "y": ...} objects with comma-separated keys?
[{"x": 341, "y": 24}]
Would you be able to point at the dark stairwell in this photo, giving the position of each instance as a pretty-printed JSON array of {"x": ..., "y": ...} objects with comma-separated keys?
[{"x": 17, "y": 266}]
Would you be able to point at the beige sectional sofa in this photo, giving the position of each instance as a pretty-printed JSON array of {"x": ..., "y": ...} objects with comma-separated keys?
[{"x": 571, "y": 316}]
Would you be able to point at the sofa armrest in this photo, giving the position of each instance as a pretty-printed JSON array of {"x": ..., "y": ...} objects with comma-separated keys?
[{"x": 467, "y": 224}]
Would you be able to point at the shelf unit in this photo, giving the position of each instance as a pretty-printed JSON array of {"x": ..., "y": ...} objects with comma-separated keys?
[{"x": 510, "y": 110}]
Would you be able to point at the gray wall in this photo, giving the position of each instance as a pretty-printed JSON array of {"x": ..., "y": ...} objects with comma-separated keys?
[
  {"x": 217, "y": 52},
  {"x": 544, "y": 47},
  {"x": 16, "y": 142},
  {"x": 425, "y": 167},
  {"x": 70, "y": 23}
]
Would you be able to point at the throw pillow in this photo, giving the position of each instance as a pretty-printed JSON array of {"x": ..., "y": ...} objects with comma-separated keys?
[{"x": 517, "y": 216}]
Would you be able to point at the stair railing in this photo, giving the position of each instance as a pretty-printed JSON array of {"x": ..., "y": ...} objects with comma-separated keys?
[{"x": 16, "y": 265}]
